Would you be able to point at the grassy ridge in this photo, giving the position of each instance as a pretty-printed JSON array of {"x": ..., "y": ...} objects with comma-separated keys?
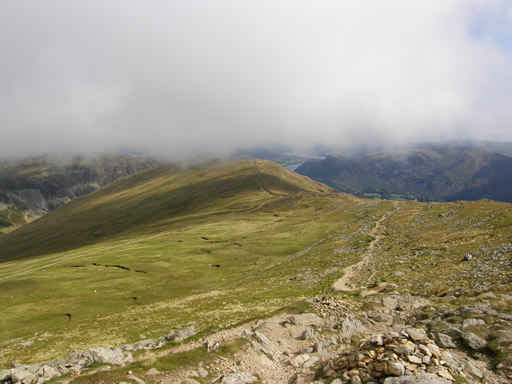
[
  {"x": 191, "y": 241},
  {"x": 208, "y": 245}
]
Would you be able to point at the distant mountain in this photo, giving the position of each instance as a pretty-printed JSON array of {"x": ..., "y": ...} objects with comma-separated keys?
[
  {"x": 504, "y": 148},
  {"x": 435, "y": 173},
  {"x": 33, "y": 187}
]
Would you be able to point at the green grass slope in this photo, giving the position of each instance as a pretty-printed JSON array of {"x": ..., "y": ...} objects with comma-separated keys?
[
  {"x": 218, "y": 245},
  {"x": 197, "y": 235},
  {"x": 432, "y": 174}
]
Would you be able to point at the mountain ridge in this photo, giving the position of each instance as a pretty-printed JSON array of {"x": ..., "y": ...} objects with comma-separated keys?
[{"x": 430, "y": 174}]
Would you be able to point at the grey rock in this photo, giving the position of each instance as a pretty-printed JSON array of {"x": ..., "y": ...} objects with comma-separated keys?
[
  {"x": 104, "y": 355},
  {"x": 47, "y": 372},
  {"x": 305, "y": 319},
  {"x": 351, "y": 326},
  {"x": 472, "y": 323},
  {"x": 247, "y": 334},
  {"x": 414, "y": 359},
  {"x": 487, "y": 295},
  {"x": 24, "y": 344},
  {"x": 202, "y": 372},
  {"x": 389, "y": 302},
  {"x": 181, "y": 334},
  {"x": 473, "y": 341},
  {"x": 263, "y": 339},
  {"x": 470, "y": 368},
  {"x": 396, "y": 369},
  {"x": 417, "y": 334},
  {"x": 311, "y": 361},
  {"x": 451, "y": 362},
  {"x": 411, "y": 303},
  {"x": 504, "y": 336},
  {"x": 299, "y": 360},
  {"x": 5, "y": 374},
  {"x": 445, "y": 341},
  {"x": 425, "y": 379},
  {"x": 505, "y": 316},
  {"x": 308, "y": 334},
  {"x": 136, "y": 379},
  {"x": 152, "y": 372},
  {"x": 188, "y": 380},
  {"x": 381, "y": 317},
  {"x": 355, "y": 380},
  {"x": 146, "y": 345},
  {"x": 25, "y": 375},
  {"x": 239, "y": 378}
]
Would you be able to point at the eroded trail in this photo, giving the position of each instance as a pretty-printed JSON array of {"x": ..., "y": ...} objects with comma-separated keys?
[{"x": 347, "y": 281}]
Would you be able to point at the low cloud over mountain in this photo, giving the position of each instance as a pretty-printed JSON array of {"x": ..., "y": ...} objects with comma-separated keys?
[{"x": 195, "y": 77}]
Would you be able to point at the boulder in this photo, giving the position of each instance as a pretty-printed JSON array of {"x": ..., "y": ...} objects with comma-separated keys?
[
  {"x": 263, "y": 339},
  {"x": 239, "y": 378},
  {"x": 202, "y": 372},
  {"x": 396, "y": 369},
  {"x": 389, "y": 302},
  {"x": 305, "y": 319},
  {"x": 181, "y": 334},
  {"x": 417, "y": 334},
  {"x": 308, "y": 334},
  {"x": 104, "y": 355},
  {"x": 299, "y": 360},
  {"x": 152, "y": 372},
  {"x": 47, "y": 372},
  {"x": 473, "y": 341},
  {"x": 472, "y": 323},
  {"x": 411, "y": 303},
  {"x": 445, "y": 341},
  {"x": 351, "y": 326}
]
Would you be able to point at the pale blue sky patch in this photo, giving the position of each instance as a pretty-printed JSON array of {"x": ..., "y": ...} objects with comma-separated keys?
[{"x": 492, "y": 21}]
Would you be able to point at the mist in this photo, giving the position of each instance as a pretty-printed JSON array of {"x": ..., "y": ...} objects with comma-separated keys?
[{"x": 186, "y": 78}]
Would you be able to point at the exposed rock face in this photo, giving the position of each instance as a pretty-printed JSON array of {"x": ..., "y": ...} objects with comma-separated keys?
[{"x": 41, "y": 185}]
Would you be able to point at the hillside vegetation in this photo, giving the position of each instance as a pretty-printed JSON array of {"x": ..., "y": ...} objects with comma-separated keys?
[
  {"x": 33, "y": 187},
  {"x": 430, "y": 174},
  {"x": 216, "y": 246}
]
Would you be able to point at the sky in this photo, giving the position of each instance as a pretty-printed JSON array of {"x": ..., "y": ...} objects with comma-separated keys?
[{"x": 193, "y": 77}]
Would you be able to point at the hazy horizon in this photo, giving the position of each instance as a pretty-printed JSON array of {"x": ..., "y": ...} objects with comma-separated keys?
[{"x": 182, "y": 79}]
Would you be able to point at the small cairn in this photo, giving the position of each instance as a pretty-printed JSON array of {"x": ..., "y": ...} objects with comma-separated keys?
[{"x": 409, "y": 353}]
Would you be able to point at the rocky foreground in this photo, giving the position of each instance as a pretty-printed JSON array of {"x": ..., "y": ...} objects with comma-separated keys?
[{"x": 389, "y": 339}]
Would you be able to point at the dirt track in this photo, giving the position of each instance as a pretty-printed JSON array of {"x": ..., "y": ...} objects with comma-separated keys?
[{"x": 346, "y": 282}]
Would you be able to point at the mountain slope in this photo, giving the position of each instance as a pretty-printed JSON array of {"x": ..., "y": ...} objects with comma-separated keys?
[
  {"x": 430, "y": 174},
  {"x": 224, "y": 244},
  {"x": 153, "y": 199},
  {"x": 34, "y": 187}
]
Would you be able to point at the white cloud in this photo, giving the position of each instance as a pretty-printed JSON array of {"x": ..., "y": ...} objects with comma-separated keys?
[{"x": 182, "y": 77}]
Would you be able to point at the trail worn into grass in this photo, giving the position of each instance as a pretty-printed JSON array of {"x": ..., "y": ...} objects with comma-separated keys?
[
  {"x": 260, "y": 182},
  {"x": 346, "y": 282}
]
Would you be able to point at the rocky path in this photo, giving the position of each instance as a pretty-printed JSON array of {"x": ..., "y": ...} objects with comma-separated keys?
[
  {"x": 346, "y": 282},
  {"x": 260, "y": 182}
]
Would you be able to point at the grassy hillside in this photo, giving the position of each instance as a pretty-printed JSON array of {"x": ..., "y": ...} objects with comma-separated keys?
[
  {"x": 221, "y": 244},
  {"x": 430, "y": 174}
]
